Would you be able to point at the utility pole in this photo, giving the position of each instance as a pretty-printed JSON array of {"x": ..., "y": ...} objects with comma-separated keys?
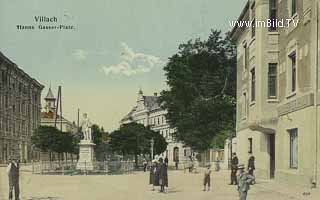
[{"x": 152, "y": 144}]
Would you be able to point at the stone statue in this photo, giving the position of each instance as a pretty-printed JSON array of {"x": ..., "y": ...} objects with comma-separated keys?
[{"x": 86, "y": 127}]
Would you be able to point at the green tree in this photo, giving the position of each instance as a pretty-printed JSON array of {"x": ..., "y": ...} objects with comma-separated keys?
[
  {"x": 202, "y": 88},
  {"x": 134, "y": 139}
]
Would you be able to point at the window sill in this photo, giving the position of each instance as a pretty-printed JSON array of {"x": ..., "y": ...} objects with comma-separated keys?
[
  {"x": 252, "y": 41},
  {"x": 291, "y": 95},
  {"x": 275, "y": 100}
]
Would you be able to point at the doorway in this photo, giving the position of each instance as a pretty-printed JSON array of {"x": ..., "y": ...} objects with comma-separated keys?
[{"x": 272, "y": 155}]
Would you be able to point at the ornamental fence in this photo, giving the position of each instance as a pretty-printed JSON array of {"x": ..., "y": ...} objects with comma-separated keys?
[{"x": 70, "y": 168}]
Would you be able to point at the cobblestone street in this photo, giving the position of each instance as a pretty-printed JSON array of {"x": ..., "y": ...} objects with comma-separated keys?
[{"x": 135, "y": 187}]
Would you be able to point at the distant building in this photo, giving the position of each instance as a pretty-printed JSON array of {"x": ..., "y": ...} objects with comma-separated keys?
[
  {"x": 20, "y": 110},
  {"x": 149, "y": 113},
  {"x": 48, "y": 116}
]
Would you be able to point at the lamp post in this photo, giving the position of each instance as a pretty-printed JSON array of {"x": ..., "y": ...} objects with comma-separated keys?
[{"x": 152, "y": 144}]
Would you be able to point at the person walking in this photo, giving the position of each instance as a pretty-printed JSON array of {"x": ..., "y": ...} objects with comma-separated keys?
[
  {"x": 145, "y": 164},
  {"x": 207, "y": 178},
  {"x": 244, "y": 181},
  {"x": 163, "y": 175},
  {"x": 177, "y": 164},
  {"x": 13, "y": 175},
  {"x": 234, "y": 168},
  {"x": 251, "y": 165}
]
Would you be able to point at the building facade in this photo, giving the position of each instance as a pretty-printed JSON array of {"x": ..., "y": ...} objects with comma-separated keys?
[
  {"x": 20, "y": 110},
  {"x": 278, "y": 89},
  {"x": 50, "y": 118},
  {"x": 149, "y": 113}
]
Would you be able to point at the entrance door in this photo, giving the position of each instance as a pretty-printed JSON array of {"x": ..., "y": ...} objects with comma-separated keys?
[{"x": 272, "y": 155}]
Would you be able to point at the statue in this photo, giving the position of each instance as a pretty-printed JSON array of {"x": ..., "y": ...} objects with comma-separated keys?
[{"x": 86, "y": 127}]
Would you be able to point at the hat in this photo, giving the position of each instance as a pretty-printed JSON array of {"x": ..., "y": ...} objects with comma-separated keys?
[{"x": 241, "y": 166}]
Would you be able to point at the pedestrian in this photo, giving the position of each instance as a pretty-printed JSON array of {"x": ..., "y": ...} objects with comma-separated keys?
[
  {"x": 234, "y": 168},
  {"x": 251, "y": 165},
  {"x": 177, "y": 164},
  {"x": 145, "y": 164},
  {"x": 207, "y": 178},
  {"x": 153, "y": 171},
  {"x": 166, "y": 160},
  {"x": 244, "y": 181},
  {"x": 163, "y": 175},
  {"x": 13, "y": 175}
]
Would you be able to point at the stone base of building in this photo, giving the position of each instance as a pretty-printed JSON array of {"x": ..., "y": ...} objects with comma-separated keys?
[{"x": 86, "y": 156}]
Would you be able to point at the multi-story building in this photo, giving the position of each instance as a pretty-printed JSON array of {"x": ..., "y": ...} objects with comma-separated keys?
[
  {"x": 278, "y": 89},
  {"x": 50, "y": 118},
  {"x": 149, "y": 113},
  {"x": 20, "y": 109}
]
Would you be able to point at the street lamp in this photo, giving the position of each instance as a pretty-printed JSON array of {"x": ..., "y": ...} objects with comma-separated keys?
[{"x": 152, "y": 144}]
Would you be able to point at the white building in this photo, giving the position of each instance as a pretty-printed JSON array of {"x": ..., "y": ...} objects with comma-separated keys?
[{"x": 149, "y": 113}]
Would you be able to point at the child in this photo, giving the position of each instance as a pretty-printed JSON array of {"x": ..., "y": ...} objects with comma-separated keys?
[{"x": 206, "y": 180}]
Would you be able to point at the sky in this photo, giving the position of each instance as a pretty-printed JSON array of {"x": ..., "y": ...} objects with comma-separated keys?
[{"x": 115, "y": 48}]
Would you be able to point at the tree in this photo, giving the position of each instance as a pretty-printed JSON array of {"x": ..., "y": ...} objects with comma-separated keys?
[
  {"x": 134, "y": 139},
  {"x": 50, "y": 139},
  {"x": 202, "y": 88}
]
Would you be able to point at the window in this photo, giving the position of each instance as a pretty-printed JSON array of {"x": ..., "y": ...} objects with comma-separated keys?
[
  {"x": 253, "y": 84},
  {"x": 245, "y": 47},
  {"x": 253, "y": 17},
  {"x": 293, "y": 7},
  {"x": 273, "y": 14},
  {"x": 250, "y": 145},
  {"x": 244, "y": 106},
  {"x": 293, "y": 134},
  {"x": 272, "y": 80},
  {"x": 293, "y": 71}
]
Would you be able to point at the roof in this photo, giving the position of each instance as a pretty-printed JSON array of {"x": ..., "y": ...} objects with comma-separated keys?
[
  {"x": 50, "y": 116},
  {"x": 50, "y": 95},
  {"x": 242, "y": 15},
  {"x": 150, "y": 102},
  {"x": 3, "y": 58}
]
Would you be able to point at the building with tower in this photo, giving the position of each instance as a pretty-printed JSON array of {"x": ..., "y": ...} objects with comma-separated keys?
[
  {"x": 49, "y": 117},
  {"x": 149, "y": 113},
  {"x": 20, "y": 108}
]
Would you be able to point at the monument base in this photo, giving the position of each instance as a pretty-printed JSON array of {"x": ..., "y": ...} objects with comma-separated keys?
[{"x": 86, "y": 156}]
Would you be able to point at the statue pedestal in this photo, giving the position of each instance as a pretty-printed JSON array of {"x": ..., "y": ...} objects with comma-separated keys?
[{"x": 86, "y": 155}]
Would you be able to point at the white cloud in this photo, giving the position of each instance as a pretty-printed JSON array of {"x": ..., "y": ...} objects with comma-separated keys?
[
  {"x": 132, "y": 63},
  {"x": 80, "y": 54}
]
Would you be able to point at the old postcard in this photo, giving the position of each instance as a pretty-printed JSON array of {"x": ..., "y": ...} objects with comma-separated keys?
[{"x": 159, "y": 99}]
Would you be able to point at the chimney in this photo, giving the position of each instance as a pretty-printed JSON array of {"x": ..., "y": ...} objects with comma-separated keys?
[{"x": 155, "y": 94}]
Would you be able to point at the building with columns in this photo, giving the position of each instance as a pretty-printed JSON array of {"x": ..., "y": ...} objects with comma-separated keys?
[
  {"x": 149, "y": 113},
  {"x": 278, "y": 89},
  {"x": 20, "y": 110}
]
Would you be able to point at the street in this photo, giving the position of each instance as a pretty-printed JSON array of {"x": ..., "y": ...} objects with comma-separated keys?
[{"x": 135, "y": 187}]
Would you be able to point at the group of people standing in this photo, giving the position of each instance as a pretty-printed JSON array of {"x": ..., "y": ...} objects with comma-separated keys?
[
  {"x": 159, "y": 174},
  {"x": 244, "y": 179}
]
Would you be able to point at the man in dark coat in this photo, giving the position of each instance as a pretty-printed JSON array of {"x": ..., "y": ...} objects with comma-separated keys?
[
  {"x": 234, "y": 168},
  {"x": 163, "y": 175},
  {"x": 166, "y": 160},
  {"x": 251, "y": 166},
  {"x": 13, "y": 175},
  {"x": 153, "y": 171}
]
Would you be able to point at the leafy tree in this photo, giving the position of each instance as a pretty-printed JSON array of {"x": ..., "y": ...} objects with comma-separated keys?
[
  {"x": 202, "y": 88},
  {"x": 134, "y": 139}
]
